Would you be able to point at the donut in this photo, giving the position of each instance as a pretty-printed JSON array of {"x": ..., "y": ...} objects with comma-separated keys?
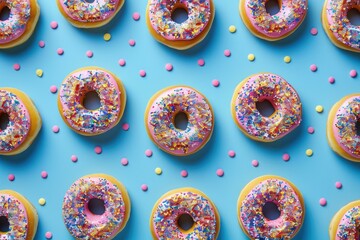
[
  {"x": 266, "y": 87},
  {"x": 160, "y": 115},
  {"x": 189, "y": 202},
  {"x": 18, "y": 215},
  {"x": 73, "y": 91},
  {"x": 183, "y": 35},
  {"x": 20, "y": 25},
  {"x": 345, "y": 223},
  {"x": 337, "y": 25},
  {"x": 24, "y": 121},
  {"x": 273, "y": 27},
  {"x": 81, "y": 221},
  {"x": 342, "y": 126},
  {"x": 275, "y": 190},
  {"x": 89, "y": 14}
]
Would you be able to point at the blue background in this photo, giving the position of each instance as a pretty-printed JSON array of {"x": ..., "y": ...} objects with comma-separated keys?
[{"x": 314, "y": 176}]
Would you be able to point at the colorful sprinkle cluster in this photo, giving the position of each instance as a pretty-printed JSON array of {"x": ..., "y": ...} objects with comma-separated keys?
[
  {"x": 289, "y": 17},
  {"x": 167, "y": 212},
  {"x": 78, "y": 219},
  {"x": 19, "y": 121},
  {"x": 162, "y": 114},
  {"x": 199, "y": 15},
  {"x": 288, "y": 202},
  {"x": 348, "y": 227},
  {"x": 16, "y": 24},
  {"x": 339, "y": 24},
  {"x": 345, "y": 122},
  {"x": 15, "y": 212},
  {"x": 72, "y": 93},
  {"x": 84, "y": 11},
  {"x": 283, "y": 97}
]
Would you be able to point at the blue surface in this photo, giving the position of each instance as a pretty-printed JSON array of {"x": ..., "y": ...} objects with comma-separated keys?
[{"x": 315, "y": 176}]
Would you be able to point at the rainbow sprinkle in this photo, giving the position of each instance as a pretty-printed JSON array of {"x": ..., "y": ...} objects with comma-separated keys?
[{"x": 348, "y": 227}]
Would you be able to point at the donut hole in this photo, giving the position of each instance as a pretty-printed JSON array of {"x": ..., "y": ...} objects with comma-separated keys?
[
  {"x": 185, "y": 222},
  {"x": 4, "y": 13},
  {"x": 265, "y": 108},
  {"x": 89, "y": 1},
  {"x": 4, "y": 224},
  {"x": 4, "y": 121},
  {"x": 91, "y": 100},
  {"x": 96, "y": 206},
  {"x": 181, "y": 120},
  {"x": 179, "y": 14},
  {"x": 354, "y": 16},
  {"x": 271, "y": 211},
  {"x": 272, "y": 7},
  {"x": 357, "y": 128}
]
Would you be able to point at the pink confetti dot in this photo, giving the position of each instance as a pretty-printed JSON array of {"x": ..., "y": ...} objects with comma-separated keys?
[
  {"x": 184, "y": 173},
  {"x": 215, "y": 82},
  {"x": 55, "y": 129},
  {"x": 338, "y": 185},
  {"x": 122, "y": 62},
  {"x": 89, "y": 54},
  {"x": 41, "y": 44},
  {"x": 313, "y": 67},
  {"x": 98, "y": 150},
  {"x": 11, "y": 177},
  {"x": 220, "y": 172},
  {"x": 148, "y": 153},
  {"x": 48, "y": 235},
  {"x": 255, "y": 163},
  {"x": 231, "y": 153},
  {"x": 54, "y": 25},
  {"x": 44, "y": 174},
  {"x": 132, "y": 42},
  {"x": 286, "y": 157},
  {"x": 311, "y": 130},
  {"x": 53, "y": 89},
  {"x": 227, "y": 53},
  {"x": 169, "y": 67},
  {"x": 16, "y": 67},
  {"x": 125, "y": 126},
  {"x": 136, "y": 16},
  {"x": 74, "y": 158},
  {"x": 314, "y": 31},
  {"x": 322, "y": 201},
  {"x": 142, "y": 73},
  {"x": 331, "y": 80},
  {"x": 201, "y": 62},
  {"x": 353, "y": 73},
  {"x": 60, "y": 51},
  {"x": 144, "y": 187},
  {"x": 124, "y": 162}
]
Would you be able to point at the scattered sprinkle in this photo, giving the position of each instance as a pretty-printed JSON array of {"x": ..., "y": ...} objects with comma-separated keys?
[
  {"x": 136, "y": 16},
  {"x": 287, "y": 59},
  {"x": 55, "y": 129},
  {"x": 232, "y": 29},
  {"x": 142, "y": 73},
  {"x": 54, "y": 25},
  {"x": 122, "y": 62},
  {"x": 148, "y": 153},
  {"x": 44, "y": 174},
  {"x": 16, "y": 67},
  {"x": 11, "y": 177},
  {"x": 158, "y": 171},
  {"x": 255, "y": 163},
  {"x": 89, "y": 54},
  {"x": 286, "y": 157},
  {"x": 220, "y": 172},
  {"x": 184, "y": 173},
  {"x": 144, "y": 187},
  {"x": 331, "y": 80},
  {"x": 98, "y": 150},
  {"x": 309, "y": 152},
  {"x": 132, "y": 42},
  {"x": 169, "y": 67},
  {"x": 227, "y": 53},
  {"x": 41, "y": 44},
  {"x": 215, "y": 82},
  {"x": 107, "y": 36},
  {"x": 125, "y": 126},
  {"x": 353, "y": 73},
  {"x": 314, "y": 31},
  {"x": 311, "y": 130},
  {"x": 319, "y": 108},
  {"x": 48, "y": 235},
  {"x": 124, "y": 161},
  {"x": 60, "y": 51},
  {"x": 313, "y": 67},
  {"x": 201, "y": 62},
  {"x": 338, "y": 185},
  {"x": 323, "y": 202},
  {"x": 42, "y": 201},
  {"x": 74, "y": 158},
  {"x": 231, "y": 153},
  {"x": 39, "y": 72},
  {"x": 251, "y": 57},
  {"x": 53, "y": 89}
]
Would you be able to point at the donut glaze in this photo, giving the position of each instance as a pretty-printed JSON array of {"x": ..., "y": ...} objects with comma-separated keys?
[
  {"x": 283, "y": 97},
  {"x": 160, "y": 114},
  {"x": 276, "y": 190},
  {"x": 81, "y": 222},
  {"x": 180, "y": 35},
  {"x": 273, "y": 27},
  {"x": 341, "y": 127},
  {"x": 337, "y": 25},
  {"x": 21, "y": 23},
  {"x": 112, "y": 100},
  {"x": 168, "y": 209},
  {"x": 84, "y": 14}
]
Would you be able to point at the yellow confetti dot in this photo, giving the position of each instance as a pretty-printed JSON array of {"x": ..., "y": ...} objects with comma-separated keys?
[
  {"x": 158, "y": 171},
  {"x": 287, "y": 59},
  {"x": 309, "y": 152},
  {"x": 42, "y": 201},
  {"x": 39, "y": 72},
  {"x": 107, "y": 36},
  {"x": 319, "y": 108},
  {"x": 251, "y": 57},
  {"x": 232, "y": 29}
]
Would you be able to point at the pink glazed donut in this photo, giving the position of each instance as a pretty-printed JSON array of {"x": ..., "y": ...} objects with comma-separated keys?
[
  {"x": 160, "y": 115},
  {"x": 273, "y": 27}
]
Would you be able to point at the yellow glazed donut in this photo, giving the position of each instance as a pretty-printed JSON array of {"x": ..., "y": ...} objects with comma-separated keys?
[
  {"x": 79, "y": 218},
  {"x": 19, "y": 214},
  {"x": 24, "y": 121},
  {"x": 183, "y": 35},
  {"x": 21, "y": 23},
  {"x": 84, "y": 14},
  {"x": 342, "y": 125},
  {"x": 275, "y": 190},
  {"x": 112, "y": 96},
  {"x": 188, "y": 202},
  {"x": 345, "y": 223}
]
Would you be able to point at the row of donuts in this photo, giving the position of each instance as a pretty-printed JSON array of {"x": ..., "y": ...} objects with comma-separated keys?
[
  {"x": 184, "y": 213},
  {"x": 24, "y": 15},
  {"x": 162, "y": 109}
]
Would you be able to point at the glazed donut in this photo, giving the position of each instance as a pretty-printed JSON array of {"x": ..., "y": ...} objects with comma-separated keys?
[
  {"x": 342, "y": 124},
  {"x": 21, "y": 23},
  {"x": 337, "y": 25},
  {"x": 270, "y": 189},
  {"x": 112, "y": 100},
  {"x": 164, "y": 219},
  {"x": 81, "y": 222},
  {"x": 345, "y": 223},
  {"x": 19, "y": 214},
  {"x": 183, "y": 35},
  {"x": 85, "y": 14},
  {"x": 283, "y": 97},
  {"x": 24, "y": 121},
  {"x": 273, "y": 27},
  {"x": 161, "y": 112}
]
